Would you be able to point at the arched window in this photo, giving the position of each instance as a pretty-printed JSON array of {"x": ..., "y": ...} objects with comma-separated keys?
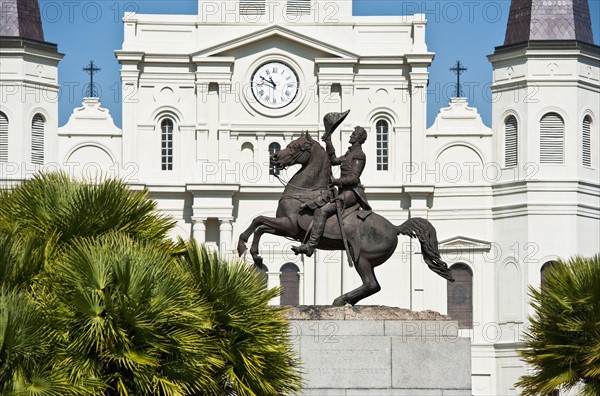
[
  {"x": 273, "y": 148},
  {"x": 460, "y": 296},
  {"x": 511, "y": 293},
  {"x": 3, "y": 137},
  {"x": 166, "y": 142},
  {"x": 586, "y": 136},
  {"x": 290, "y": 283},
  {"x": 37, "y": 139},
  {"x": 544, "y": 271},
  {"x": 552, "y": 139},
  {"x": 382, "y": 128},
  {"x": 247, "y": 153},
  {"x": 511, "y": 144}
]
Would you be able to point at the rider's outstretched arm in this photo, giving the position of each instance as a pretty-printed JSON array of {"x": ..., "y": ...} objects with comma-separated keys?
[{"x": 331, "y": 152}]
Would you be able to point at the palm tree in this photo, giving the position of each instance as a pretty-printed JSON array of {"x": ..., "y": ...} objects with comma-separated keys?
[
  {"x": 95, "y": 299},
  {"x": 252, "y": 335},
  {"x": 49, "y": 210},
  {"x": 126, "y": 319},
  {"x": 563, "y": 339},
  {"x": 24, "y": 349}
]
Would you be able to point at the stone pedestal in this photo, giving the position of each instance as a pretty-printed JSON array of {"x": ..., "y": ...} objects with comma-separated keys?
[{"x": 372, "y": 350}]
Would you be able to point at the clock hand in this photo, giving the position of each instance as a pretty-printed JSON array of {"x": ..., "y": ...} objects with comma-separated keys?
[
  {"x": 267, "y": 81},
  {"x": 272, "y": 82}
]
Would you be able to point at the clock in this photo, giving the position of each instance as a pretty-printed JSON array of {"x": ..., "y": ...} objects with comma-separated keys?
[{"x": 274, "y": 84}]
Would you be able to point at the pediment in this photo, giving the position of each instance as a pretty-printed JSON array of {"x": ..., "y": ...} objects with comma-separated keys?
[
  {"x": 462, "y": 243},
  {"x": 280, "y": 32}
]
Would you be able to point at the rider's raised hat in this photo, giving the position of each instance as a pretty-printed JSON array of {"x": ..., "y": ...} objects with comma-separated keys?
[{"x": 332, "y": 121}]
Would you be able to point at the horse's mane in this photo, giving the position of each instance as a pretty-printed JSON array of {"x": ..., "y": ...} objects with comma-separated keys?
[{"x": 312, "y": 172}]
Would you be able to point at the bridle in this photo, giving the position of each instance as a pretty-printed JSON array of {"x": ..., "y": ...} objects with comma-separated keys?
[{"x": 285, "y": 184}]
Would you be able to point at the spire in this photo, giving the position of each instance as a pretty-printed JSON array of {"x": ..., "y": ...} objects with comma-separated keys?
[
  {"x": 21, "y": 18},
  {"x": 549, "y": 20}
]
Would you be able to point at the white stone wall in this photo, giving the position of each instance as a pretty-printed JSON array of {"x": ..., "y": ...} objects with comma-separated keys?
[
  {"x": 29, "y": 86},
  {"x": 90, "y": 143},
  {"x": 541, "y": 211}
]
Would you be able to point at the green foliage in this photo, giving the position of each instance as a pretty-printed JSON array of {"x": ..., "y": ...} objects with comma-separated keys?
[
  {"x": 50, "y": 210},
  {"x": 252, "y": 335},
  {"x": 22, "y": 257},
  {"x": 563, "y": 339},
  {"x": 53, "y": 203},
  {"x": 127, "y": 314},
  {"x": 96, "y": 300}
]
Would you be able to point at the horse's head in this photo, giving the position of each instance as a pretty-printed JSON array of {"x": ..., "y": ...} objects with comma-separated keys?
[{"x": 297, "y": 152}]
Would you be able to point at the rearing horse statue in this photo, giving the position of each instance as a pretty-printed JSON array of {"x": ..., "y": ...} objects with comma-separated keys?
[{"x": 372, "y": 238}]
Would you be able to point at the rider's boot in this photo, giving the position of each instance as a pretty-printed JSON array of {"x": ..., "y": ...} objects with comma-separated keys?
[{"x": 316, "y": 232}]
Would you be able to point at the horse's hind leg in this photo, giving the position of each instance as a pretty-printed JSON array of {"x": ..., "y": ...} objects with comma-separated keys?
[{"x": 369, "y": 287}]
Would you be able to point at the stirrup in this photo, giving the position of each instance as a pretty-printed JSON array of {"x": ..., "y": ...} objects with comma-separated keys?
[{"x": 304, "y": 248}]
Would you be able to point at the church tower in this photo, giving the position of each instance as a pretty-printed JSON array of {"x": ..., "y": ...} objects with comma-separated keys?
[
  {"x": 545, "y": 121},
  {"x": 29, "y": 91}
]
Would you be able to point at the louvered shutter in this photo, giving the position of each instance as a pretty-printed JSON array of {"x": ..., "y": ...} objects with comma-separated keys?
[
  {"x": 252, "y": 7},
  {"x": 552, "y": 139},
  {"x": 587, "y": 141},
  {"x": 298, "y": 7},
  {"x": 511, "y": 142},
  {"x": 37, "y": 140},
  {"x": 3, "y": 138}
]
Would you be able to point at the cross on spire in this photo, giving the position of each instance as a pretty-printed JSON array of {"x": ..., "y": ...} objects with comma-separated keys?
[
  {"x": 92, "y": 68},
  {"x": 458, "y": 69}
]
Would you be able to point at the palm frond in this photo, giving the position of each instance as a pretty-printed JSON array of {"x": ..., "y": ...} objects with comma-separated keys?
[
  {"x": 563, "y": 339},
  {"x": 253, "y": 335}
]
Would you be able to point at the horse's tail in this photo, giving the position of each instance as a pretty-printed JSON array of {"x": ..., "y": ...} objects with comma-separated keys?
[{"x": 420, "y": 228}]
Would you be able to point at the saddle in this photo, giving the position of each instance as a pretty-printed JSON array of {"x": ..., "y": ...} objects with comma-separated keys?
[{"x": 352, "y": 220}]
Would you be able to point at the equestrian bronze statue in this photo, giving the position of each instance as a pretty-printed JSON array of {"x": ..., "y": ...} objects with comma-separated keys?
[{"x": 312, "y": 196}]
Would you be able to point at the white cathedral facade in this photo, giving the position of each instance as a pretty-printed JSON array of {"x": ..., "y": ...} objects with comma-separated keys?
[{"x": 506, "y": 200}]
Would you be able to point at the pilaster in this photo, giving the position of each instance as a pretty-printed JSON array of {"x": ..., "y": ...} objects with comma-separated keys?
[
  {"x": 199, "y": 229},
  {"x": 419, "y": 195},
  {"x": 225, "y": 235}
]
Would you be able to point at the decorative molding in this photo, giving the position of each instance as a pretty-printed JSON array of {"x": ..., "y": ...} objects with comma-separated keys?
[
  {"x": 462, "y": 243},
  {"x": 276, "y": 31}
]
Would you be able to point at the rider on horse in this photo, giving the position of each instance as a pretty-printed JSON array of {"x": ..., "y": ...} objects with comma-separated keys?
[{"x": 350, "y": 191}]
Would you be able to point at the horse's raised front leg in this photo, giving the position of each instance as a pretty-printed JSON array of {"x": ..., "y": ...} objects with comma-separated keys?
[
  {"x": 260, "y": 230},
  {"x": 369, "y": 287},
  {"x": 282, "y": 226}
]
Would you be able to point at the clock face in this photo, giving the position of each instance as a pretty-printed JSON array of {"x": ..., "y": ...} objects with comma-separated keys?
[{"x": 274, "y": 85}]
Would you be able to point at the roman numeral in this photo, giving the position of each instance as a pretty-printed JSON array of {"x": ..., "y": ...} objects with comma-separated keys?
[{"x": 274, "y": 70}]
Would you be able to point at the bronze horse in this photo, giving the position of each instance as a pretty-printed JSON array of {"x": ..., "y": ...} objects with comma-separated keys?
[{"x": 373, "y": 238}]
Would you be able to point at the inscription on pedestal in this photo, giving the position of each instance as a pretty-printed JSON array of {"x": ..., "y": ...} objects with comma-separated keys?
[{"x": 357, "y": 362}]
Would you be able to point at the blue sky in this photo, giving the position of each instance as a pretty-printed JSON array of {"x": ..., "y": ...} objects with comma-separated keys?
[{"x": 467, "y": 30}]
